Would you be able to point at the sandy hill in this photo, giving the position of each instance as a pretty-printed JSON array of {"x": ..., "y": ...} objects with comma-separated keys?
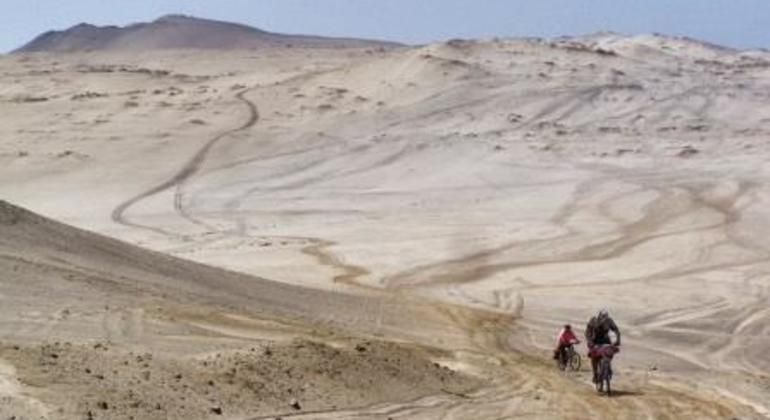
[
  {"x": 115, "y": 331},
  {"x": 35, "y": 241},
  {"x": 70, "y": 256},
  {"x": 179, "y": 32}
]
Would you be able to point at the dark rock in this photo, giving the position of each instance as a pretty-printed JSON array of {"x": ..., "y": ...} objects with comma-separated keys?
[{"x": 688, "y": 151}]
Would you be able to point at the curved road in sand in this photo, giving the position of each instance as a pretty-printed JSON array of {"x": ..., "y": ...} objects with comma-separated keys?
[{"x": 185, "y": 172}]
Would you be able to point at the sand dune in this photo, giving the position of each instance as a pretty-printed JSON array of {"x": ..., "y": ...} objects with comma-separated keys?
[
  {"x": 463, "y": 199},
  {"x": 110, "y": 329}
]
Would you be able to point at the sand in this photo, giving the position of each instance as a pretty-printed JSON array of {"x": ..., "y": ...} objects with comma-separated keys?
[{"x": 462, "y": 199}]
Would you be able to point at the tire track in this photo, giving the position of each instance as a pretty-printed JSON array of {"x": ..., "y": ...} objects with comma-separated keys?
[
  {"x": 526, "y": 386},
  {"x": 250, "y": 122},
  {"x": 319, "y": 249},
  {"x": 188, "y": 170},
  {"x": 194, "y": 164}
]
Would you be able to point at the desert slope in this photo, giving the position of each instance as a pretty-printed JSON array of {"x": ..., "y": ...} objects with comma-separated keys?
[
  {"x": 99, "y": 328},
  {"x": 119, "y": 270}
]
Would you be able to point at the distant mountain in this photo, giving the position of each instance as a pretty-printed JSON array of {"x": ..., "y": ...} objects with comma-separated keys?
[{"x": 180, "y": 32}]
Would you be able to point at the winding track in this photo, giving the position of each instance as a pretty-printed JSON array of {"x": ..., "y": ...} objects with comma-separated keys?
[{"x": 186, "y": 172}]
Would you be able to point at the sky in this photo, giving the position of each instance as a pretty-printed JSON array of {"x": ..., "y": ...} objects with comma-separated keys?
[{"x": 734, "y": 23}]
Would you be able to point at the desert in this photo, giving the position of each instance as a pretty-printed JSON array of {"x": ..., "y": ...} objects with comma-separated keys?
[{"x": 319, "y": 228}]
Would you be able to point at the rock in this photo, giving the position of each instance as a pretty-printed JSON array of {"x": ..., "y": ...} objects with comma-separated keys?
[
  {"x": 687, "y": 151},
  {"x": 621, "y": 152},
  {"x": 103, "y": 405},
  {"x": 217, "y": 410},
  {"x": 295, "y": 404}
]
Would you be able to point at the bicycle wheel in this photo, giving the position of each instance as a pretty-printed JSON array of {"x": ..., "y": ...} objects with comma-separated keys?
[
  {"x": 605, "y": 375},
  {"x": 574, "y": 362},
  {"x": 562, "y": 360}
]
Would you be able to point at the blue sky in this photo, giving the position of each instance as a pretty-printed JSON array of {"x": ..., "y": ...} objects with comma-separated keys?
[{"x": 736, "y": 23}]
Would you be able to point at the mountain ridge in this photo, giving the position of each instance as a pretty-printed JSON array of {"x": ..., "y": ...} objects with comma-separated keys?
[{"x": 181, "y": 32}]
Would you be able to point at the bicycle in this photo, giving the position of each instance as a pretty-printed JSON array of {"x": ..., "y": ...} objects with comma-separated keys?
[
  {"x": 569, "y": 358},
  {"x": 604, "y": 370}
]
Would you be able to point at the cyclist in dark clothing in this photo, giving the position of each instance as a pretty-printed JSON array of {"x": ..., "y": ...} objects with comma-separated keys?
[{"x": 598, "y": 333}]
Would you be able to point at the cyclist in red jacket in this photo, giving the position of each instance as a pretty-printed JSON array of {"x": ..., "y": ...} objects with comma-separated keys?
[{"x": 566, "y": 339}]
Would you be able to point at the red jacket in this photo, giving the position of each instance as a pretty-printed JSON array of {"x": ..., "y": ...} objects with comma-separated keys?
[{"x": 567, "y": 337}]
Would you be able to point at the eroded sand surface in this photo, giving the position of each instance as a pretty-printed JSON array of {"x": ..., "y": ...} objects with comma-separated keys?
[{"x": 464, "y": 199}]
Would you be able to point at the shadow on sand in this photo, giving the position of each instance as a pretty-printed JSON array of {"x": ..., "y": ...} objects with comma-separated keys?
[{"x": 619, "y": 393}]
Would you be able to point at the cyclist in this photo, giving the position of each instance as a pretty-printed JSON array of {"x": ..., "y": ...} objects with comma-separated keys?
[
  {"x": 566, "y": 339},
  {"x": 598, "y": 334}
]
